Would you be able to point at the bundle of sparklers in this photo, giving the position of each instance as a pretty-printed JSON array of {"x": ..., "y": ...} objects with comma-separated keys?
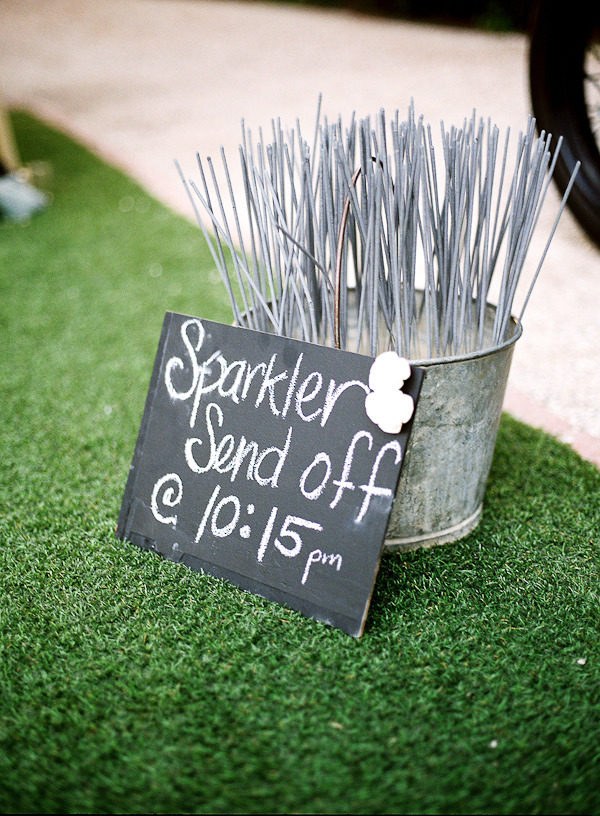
[{"x": 366, "y": 239}]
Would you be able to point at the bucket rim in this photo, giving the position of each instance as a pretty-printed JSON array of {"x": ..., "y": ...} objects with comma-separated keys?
[
  {"x": 473, "y": 355},
  {"x": 432, "y": 361}
]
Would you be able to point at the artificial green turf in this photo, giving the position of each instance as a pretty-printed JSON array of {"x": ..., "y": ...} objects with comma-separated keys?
[{"x": 132, "y": 684}]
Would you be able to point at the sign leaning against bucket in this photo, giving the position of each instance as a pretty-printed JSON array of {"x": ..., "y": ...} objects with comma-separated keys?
[{"x": 272, "y": 463}]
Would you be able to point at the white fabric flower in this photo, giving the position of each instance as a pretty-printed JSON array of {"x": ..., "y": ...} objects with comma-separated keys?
[
  {"x": 387, "y": 406},
  {"x": 388, "y": 371}
]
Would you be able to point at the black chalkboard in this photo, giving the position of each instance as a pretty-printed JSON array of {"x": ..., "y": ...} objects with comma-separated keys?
[{"x": 256, "y": 462}]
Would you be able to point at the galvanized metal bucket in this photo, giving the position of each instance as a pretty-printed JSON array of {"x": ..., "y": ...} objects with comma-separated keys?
[
  {"x": 449, "y": 456},
  {"x": 440, "y": 492}
]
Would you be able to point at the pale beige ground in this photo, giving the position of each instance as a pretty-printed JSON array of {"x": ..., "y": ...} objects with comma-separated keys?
[{"x": 145, "y": 82}]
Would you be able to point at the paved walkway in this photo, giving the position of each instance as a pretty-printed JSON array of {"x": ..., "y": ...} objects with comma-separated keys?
[{"x": 145, "y": 82}]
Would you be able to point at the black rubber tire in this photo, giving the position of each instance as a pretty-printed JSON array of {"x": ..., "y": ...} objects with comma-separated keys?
[{"x": 559, "y": 38}]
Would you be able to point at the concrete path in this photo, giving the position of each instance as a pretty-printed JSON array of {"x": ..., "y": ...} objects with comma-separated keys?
[{"x": 147, "y": 82}]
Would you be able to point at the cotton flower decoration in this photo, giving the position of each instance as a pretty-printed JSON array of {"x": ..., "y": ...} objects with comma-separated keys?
[{"x": 387, "y": 406}]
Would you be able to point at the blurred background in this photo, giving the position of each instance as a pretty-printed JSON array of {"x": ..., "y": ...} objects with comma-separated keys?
[
  {"x": 491, "y": 15},
  {"x": 145, "y": 83}
]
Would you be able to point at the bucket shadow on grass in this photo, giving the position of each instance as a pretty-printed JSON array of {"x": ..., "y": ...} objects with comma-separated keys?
[{"x": 540, "y": 512}]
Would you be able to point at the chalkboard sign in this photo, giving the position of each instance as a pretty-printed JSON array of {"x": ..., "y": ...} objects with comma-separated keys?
[{"x": 256, "y": 462}]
